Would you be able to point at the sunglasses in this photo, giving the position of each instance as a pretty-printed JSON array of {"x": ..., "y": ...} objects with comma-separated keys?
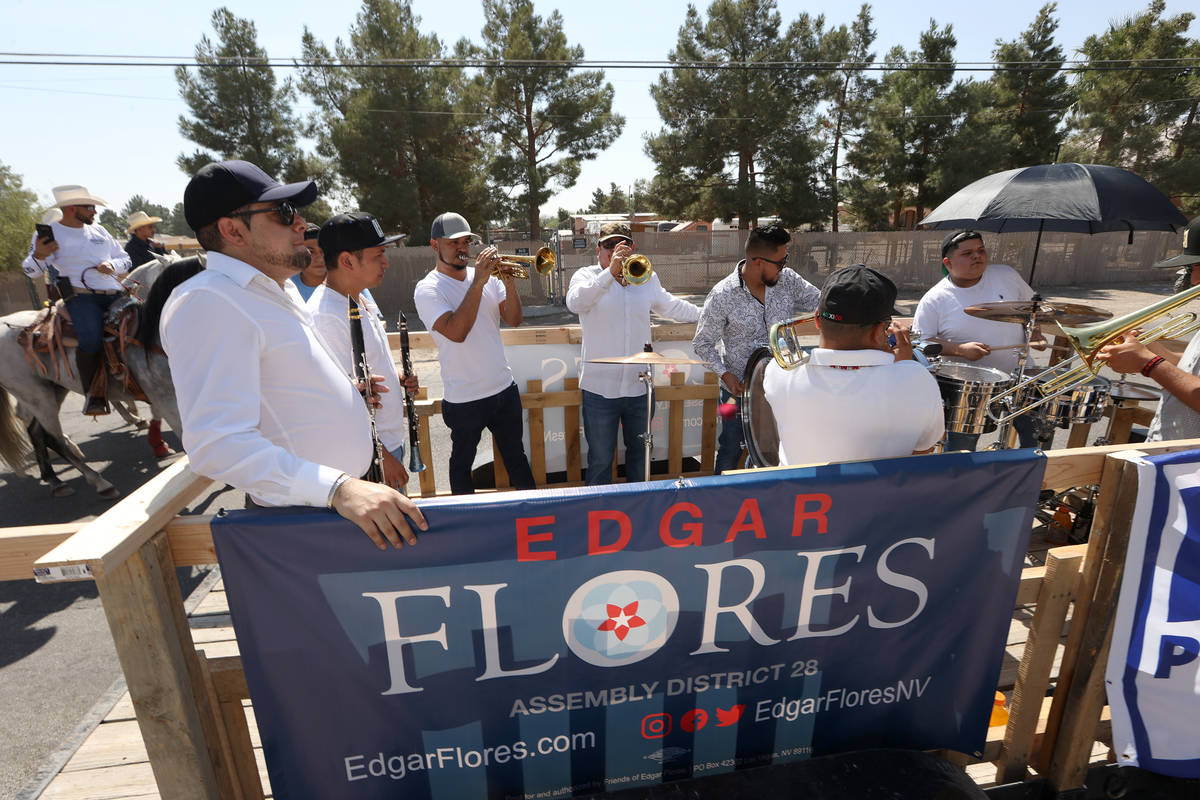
[
  {"x": 287, "y": 213},
  {"x": 611, "y": 243},
  {"x": 781, "y": 263}
]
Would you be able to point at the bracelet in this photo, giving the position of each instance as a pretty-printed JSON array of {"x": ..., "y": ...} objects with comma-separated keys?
[
  {"x": 1151, "y": 364},
  {"x": 333, "y": 490}
]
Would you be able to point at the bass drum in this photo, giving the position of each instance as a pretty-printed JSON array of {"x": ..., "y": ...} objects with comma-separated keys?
[{"x": 758, "y": 423}]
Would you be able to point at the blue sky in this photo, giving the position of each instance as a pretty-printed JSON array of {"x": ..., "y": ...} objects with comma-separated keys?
[{"x": 114, "y": 129}]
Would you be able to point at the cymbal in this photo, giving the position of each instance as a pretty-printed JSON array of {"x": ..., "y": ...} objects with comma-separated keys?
[
  {"x": 1019, "y": 311},
  {"x": 1131, "y": 391},
  {"x": 646, "y": 359}
]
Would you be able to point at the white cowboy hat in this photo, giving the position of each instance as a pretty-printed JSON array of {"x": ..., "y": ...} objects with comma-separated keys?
[
  {"x": 74, "y": 195},
  {"x": 51, "y": 216},
  {"x": 139, "y": 218}
]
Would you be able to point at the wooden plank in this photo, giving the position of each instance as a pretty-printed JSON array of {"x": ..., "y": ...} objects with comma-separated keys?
[
  {"x": 1033, "y": 679},
  {"x": 191, "y": 540},
  {"x": 537, "y": 436},
  {"x": 129, "y": 782},
  {"x": 1122, "y": 423},
  {"x": 498, "y": 468},
  {"x": 1082, "y": 467},
  {"x": 571, "y": 434},
  {"x": 21, "y": 547},
  {"x": 674, "y": 424},
  {"x": 426, "y": 479},
  {"x": 111, "y": 744},
  {"x": 708, "y": 430},
  {"x": 1079, "y": 435},
  {"x": 245, "y": 767},
  {"x": 229, "y": 680},
  {"x": 1085, "y": 700},
  {"x": 119, "y": 532},
  {"x": 225, "y": 765},
  {"x": 145, "y": 615}
]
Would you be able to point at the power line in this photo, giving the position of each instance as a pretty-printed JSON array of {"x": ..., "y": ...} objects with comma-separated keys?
[{"x": 133, "y": 60}]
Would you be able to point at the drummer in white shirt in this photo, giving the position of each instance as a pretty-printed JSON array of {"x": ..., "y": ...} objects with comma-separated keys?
[
  {"x": 615, "y": 317},
  {"x": 969, "y": 281}
]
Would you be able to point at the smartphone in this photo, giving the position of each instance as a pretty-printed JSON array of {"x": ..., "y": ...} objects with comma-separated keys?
[{"x": 44, "y": 232}]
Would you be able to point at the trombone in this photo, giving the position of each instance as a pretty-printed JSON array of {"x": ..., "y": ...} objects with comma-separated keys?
[
  {"x": 542, "y": 262},
  {"x": 1087, "y": 341}
]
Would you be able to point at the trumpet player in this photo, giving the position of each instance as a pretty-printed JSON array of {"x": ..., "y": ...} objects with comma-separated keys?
[
  {"x": 354, "y": 249},
  {"x": 615, "y": 317},
  {"x": 462, "y": 308}
]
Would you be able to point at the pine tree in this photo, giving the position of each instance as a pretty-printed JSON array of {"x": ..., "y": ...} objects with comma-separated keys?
[{"x": 850, "y": 96}]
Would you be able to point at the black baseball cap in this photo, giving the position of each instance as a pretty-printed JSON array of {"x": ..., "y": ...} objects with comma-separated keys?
[
  {"x": 353, "y": 231},
  {"x": 311, "y": 231},
  {"x": 221, "y": 187},
  {"x": 954, "y": 238},
  {"x": 857, "y": 295},
  {"x": 1191, "y": 247}
]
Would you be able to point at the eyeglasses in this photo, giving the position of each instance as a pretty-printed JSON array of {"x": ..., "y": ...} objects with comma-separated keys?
[
  {"x": 611, "y": 243},
  {"x": 781, "y": 264},
  {"x": 287, "y": 213}
]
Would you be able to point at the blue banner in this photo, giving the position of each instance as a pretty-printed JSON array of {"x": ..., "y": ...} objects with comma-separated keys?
[
  {"x": 1153, "y": 672},
  {"x": 558, "y": 642}
]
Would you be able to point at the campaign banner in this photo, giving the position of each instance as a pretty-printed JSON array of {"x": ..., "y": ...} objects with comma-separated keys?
[
  {"x": 552, "y": 363},
  {"x": 550, "y": 643},
  {"x": 1153, "y": 671}
]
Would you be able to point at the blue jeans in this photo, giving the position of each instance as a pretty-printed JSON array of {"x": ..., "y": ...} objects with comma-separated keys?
[
  {"x": 1026, "y": 436},
  {"x": 730, "y": 440},
  {"x": 601, "y": 416},
  {"x": 500, "y": 414},
  {"x": 87, "y": 314}
]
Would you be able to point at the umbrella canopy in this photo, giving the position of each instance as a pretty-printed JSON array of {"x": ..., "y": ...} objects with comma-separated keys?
[{"x": 1071, "y": 198}]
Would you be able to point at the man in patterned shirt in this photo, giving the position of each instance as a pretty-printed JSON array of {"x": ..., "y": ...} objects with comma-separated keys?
[{"x": 737, "y": 313}]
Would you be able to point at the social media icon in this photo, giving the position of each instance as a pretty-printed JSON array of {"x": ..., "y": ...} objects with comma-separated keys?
[
  {"x": 725, "y": 718},
  {"x": 656, "y": 726},
  {"x": 694, "y": 720}
]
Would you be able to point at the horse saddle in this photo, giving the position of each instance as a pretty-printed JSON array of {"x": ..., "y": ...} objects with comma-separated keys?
[{"x": 52, "y": 332}]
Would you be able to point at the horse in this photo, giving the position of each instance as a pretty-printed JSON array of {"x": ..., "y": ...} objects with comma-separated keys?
[{"x": 39, "y": 397}]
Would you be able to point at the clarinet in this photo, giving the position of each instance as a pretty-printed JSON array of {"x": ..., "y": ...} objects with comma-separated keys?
[
  {"x": 363, "y": 373},
  {"x": 414, "y": 451}
]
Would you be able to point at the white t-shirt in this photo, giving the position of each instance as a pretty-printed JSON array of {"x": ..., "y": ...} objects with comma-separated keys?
[
  {"x": 476, "y": 367},
  {"x": 940, "y": 314},
  {"x": 852, "y": 405},
  {"x": 80, "y": 249}
]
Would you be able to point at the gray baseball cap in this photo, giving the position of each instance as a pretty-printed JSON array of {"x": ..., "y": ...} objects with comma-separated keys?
[{"x": 450, "y": 226}]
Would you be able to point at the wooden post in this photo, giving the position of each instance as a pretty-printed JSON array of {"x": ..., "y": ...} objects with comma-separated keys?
[
  {"x": 708, "y": 433},
  {"x": 537, "y": 436},
  {"x": 571, "y": 434},
  {"x": 1033, "y": 675},
  {"x": 1079, "y": 435},
  {"x": 675, "y": 429},
  {"x": 145, "y": 614},
  {"x": 1068, "y": 765},
  {"x": 428, "y": 478}
]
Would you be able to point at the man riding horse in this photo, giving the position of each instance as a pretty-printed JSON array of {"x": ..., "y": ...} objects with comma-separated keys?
[{"x": 85, "y": 264}]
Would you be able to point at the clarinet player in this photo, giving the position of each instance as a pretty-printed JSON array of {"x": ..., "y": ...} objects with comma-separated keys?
[{"x": 356, "y": 259}]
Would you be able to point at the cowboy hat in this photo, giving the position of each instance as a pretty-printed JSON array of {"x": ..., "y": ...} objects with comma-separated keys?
[
  {"x": 139, "y": 218},
  {"x": 51, "y": 216},
  {"x": 74, "y": 195}
]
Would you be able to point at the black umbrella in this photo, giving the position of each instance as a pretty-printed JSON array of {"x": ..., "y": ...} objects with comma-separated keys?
[{"x": 1070, "y": 198}]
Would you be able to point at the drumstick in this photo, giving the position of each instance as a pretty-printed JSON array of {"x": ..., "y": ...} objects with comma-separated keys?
[{"x": 1006, "y": 347}]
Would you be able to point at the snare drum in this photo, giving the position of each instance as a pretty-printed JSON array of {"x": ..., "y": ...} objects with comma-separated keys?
[
  {"x": 758, "y": 422},
  {"x": 1085, "y": 403},
  {"x": 967, "y": 391}
]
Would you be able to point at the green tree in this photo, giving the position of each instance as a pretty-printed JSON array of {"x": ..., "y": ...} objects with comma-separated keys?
[
  {"x": 178, "y": 225},
  {"x": 18, "y": 215},
  {"x": 397, "y": 138},
  {"x": 850, "y": 93},
  {"x": 615, "y": 201},
  {"x": 238, "y": 109},
  {"x": 910, "y": 128},
  {"x": 1142, "y": 115},
  {"x": 112, "y": 222},
  {"x": 738, "y": 142},
  {"x": 544, "y": 120}
]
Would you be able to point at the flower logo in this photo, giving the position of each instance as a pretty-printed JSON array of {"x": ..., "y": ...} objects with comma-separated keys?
[{"x": 620, "y": 617}]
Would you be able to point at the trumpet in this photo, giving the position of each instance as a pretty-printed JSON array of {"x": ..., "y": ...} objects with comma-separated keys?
[
  {"x": 1087, "y": 340},
  {"x": 543, "y": 263},
  {"x": 637, "y": 269},
  {"x": 784, "y": 342}
]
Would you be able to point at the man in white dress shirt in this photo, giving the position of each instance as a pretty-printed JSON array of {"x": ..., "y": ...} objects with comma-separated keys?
[
  {"x": 356, "y": 259},
  {"x": 462, "y": 307},
  {"x": 855, "y": 399},
  {"x": 265, "y": 405},
  {"x": 615, "y": 317},
  {"x": 86, "y": 264}
]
